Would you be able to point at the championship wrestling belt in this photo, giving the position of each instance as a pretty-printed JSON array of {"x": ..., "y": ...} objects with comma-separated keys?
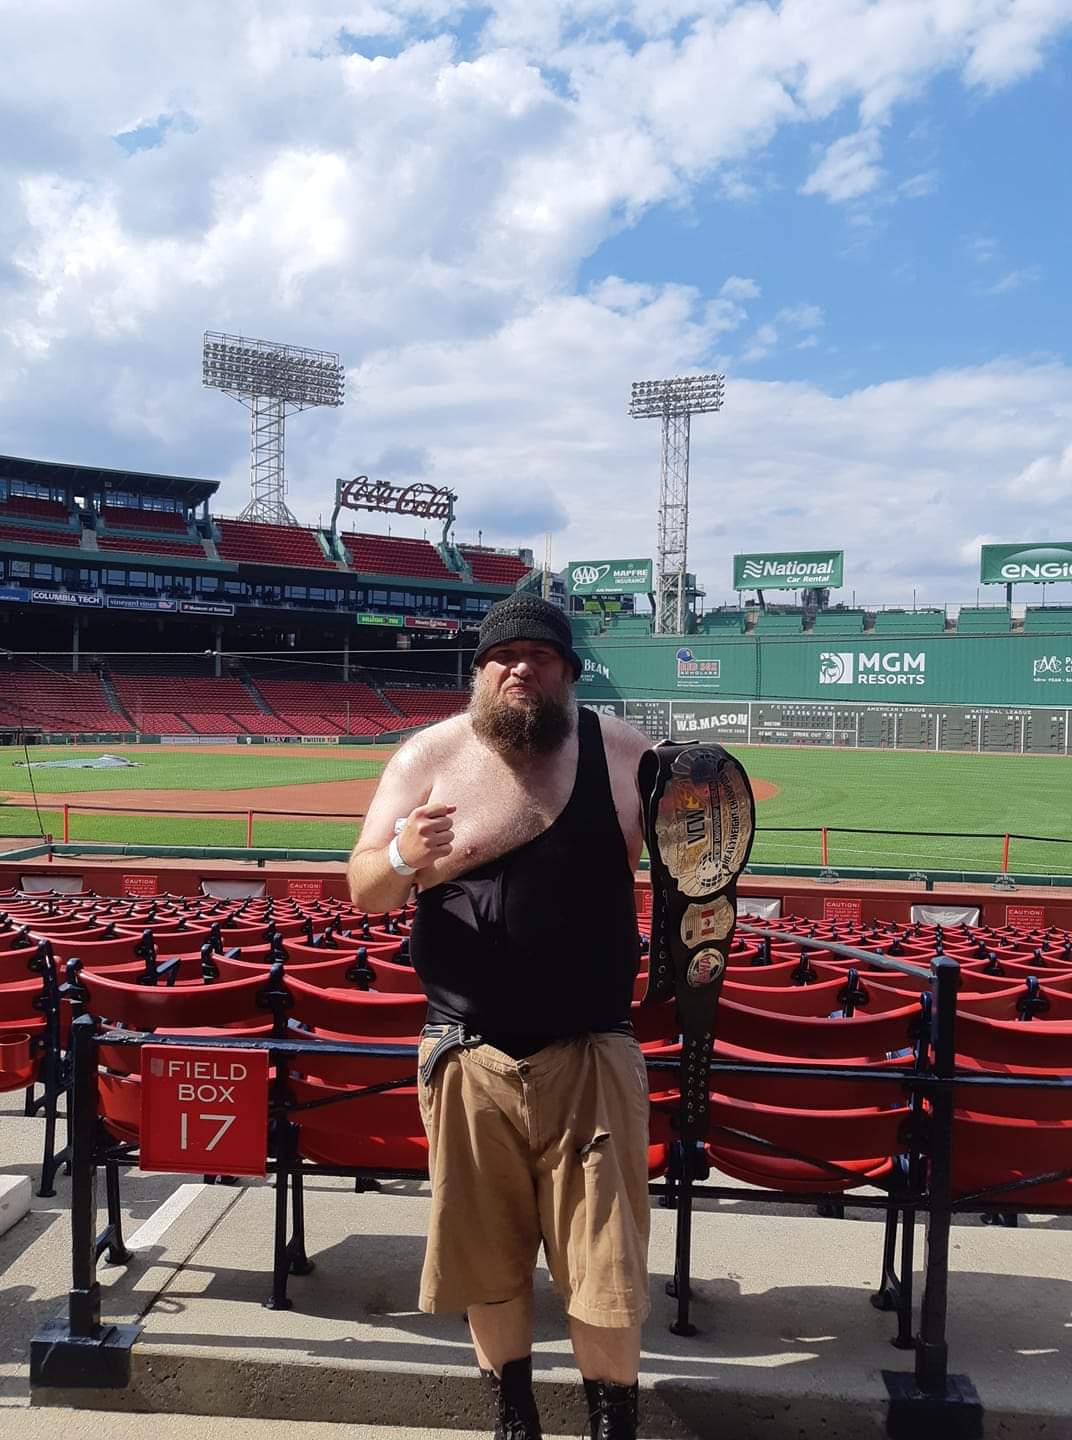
[{"x": 699, "y": 822}]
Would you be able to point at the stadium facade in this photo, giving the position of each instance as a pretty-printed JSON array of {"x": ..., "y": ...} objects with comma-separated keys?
[{"x": 115, "y": 583}]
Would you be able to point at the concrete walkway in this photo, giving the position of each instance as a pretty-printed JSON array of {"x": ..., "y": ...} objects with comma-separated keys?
[{"x": 788, "y": 1343}]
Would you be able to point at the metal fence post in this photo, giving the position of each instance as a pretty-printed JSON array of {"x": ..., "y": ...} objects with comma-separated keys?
[
  {"x": 932, "y": 1404},
  {"x": 78, "y": 1351}
]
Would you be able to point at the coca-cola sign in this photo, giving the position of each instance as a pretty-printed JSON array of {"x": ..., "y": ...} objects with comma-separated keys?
[{"x": 426, "y": 502}]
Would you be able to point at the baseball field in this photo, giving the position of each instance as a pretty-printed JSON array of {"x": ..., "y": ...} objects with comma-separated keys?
[{"x": 956, "y": 808}]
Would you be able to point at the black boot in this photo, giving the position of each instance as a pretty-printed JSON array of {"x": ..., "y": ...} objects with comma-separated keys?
[
  {"x": 612, "y": 1410},
  {"x": 516, "y": 1417}
]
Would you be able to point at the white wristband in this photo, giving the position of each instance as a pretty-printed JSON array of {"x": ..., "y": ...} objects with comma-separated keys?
[{"x": 398, "y": 865}]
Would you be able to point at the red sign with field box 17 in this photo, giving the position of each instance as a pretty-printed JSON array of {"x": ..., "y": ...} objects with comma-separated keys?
[{"x": 204, "y": 1111}]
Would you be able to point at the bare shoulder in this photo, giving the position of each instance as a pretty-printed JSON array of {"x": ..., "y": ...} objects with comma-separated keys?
[
  {"x": 428, "y": 746},
  {"x": 622, "y": 740}
]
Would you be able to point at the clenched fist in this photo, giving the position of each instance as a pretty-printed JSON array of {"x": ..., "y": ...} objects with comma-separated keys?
[{"x": 427, "y": 836}]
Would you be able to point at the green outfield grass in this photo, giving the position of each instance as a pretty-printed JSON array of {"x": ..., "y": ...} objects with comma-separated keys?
[
  {"x": 909, "y": 790},
  {"x": 889, "y": 790},
  {"x": 177, "y": 830},
  {"x": 156, "y": 769}
]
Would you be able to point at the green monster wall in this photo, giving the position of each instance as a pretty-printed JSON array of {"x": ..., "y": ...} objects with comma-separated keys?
[{"x": 994, "y": 670}]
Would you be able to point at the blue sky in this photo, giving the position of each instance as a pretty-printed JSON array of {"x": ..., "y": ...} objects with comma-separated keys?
[
  {"x": 972, "y": 267},
  {"x": 502, "y": 214}
]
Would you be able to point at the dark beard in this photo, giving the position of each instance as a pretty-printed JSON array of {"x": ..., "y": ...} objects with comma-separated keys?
[{"x": 537, "y": 728}]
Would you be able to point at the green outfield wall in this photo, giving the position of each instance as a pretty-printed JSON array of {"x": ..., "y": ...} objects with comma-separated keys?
[
  {"x": 1010, "y": 693},
  {"x": 1012, "y": 669}
]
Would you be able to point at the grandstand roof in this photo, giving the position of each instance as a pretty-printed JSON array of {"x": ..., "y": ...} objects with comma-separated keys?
[{"x": 97, "y": 478}]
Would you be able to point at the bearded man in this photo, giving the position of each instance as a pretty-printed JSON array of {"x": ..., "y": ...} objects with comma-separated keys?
[{"x": 520, "y": 824}]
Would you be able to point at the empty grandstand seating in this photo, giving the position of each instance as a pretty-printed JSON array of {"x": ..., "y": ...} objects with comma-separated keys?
[
  {"x": 26, "y": 535},
  {"x": 721, "y": 621},
  {"x": 162, "y": 722},
  {"x": 910, "y": 622},
  {"x": 1048, "y": 620},
  {"x": 393, "y": 555},
  {"x": 983, "y": 620},
  {"x": 135, "y": 519},
  {"x": 270, "y": 544},
  {"x": 628, "y": 624},
  {"x": 328, "y": 707},
  {"x": 143, "y": 545},
  {"x": 424, "y": 707},
  {"x": 838, "y": 622},
  {"x": 209, "y": 706},
  {"x": 798, "y": 1136},
  {"x": 768, "y": 624},
  {"x": 489, "y": 567},
  {"x": 40, "y": 699},
  {"x": 32, "y": 508}
]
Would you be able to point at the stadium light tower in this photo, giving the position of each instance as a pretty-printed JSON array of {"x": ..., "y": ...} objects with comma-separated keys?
[
  {"x": 674, "y": 402},
  {"x": 271, "y": 381}
]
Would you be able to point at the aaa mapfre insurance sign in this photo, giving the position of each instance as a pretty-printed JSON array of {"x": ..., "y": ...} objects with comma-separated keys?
[{"x": 204, "y": 1112}]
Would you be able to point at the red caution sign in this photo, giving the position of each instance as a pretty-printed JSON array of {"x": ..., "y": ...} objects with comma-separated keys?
[
  {"x": 305, "y": 889},
  {"x": 842, "y": 908},
  {"x": 1027, "y": 917},
  {"x": 204, "y": 1111},
  {"x": 139, "y": 884}
]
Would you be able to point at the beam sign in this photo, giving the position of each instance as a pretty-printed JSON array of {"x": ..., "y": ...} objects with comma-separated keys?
[{"x": 204, "y": 1111}]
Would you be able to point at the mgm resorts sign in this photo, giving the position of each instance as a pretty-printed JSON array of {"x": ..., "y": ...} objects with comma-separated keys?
[
  {"x": 1036, "y": 564},
  {"x": 799, "y": 570},
  {"x": 871, "y": 667}
]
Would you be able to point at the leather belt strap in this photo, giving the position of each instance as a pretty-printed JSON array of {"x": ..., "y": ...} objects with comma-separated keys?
[
  {"x": 447, "y": 1038},
  {"x": 699, "y": 821}
]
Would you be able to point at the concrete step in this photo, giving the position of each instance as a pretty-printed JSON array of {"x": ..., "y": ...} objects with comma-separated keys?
[{"x": 787, "y": 1344}]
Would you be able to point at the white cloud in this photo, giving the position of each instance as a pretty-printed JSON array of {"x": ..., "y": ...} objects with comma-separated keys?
[
  {"x": 738, "y": 287},
  {"x": 1014, "y": 280},
  {"x": 1046, "y": 478},
  {"x": 916, "y": 187},
  {"x": 968, "y": 550},
  {"x": 761, "y": 344},
  {"x": 426, "y": 211},
  {"x": 802, "y": 317},
  {"x": 983, "y": 249},
  {"x": 849, "y": 169}
]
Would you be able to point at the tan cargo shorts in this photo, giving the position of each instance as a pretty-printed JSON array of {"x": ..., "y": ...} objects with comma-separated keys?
[{"x": 554, "y": 1148}]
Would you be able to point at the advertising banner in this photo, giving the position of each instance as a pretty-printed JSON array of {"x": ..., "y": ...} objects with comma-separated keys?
[
  {"x": 606, "y": 707},
  {"x": 789, "y": 570},
  {"x": 367, "y": 617},
  {"x": 155, "y": 603},
  {"x": 14, "y": 593},
  {"x": 608, "y": 577},
  {"x": 690, "y": 719},
  {"x": 697, "y": 672},
  {"x": 67, "y": 597},
  {"x": 1035, "y": 562},
  {"x": 429, "y": 622},
  {"x": 206, "y": 607}
]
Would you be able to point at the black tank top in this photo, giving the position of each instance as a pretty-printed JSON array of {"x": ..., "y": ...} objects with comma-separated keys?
[{"x": 540, "y": 943}]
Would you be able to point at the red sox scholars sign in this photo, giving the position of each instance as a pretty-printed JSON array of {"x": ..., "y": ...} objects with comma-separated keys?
[{"x": 204, "y": 1111}]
